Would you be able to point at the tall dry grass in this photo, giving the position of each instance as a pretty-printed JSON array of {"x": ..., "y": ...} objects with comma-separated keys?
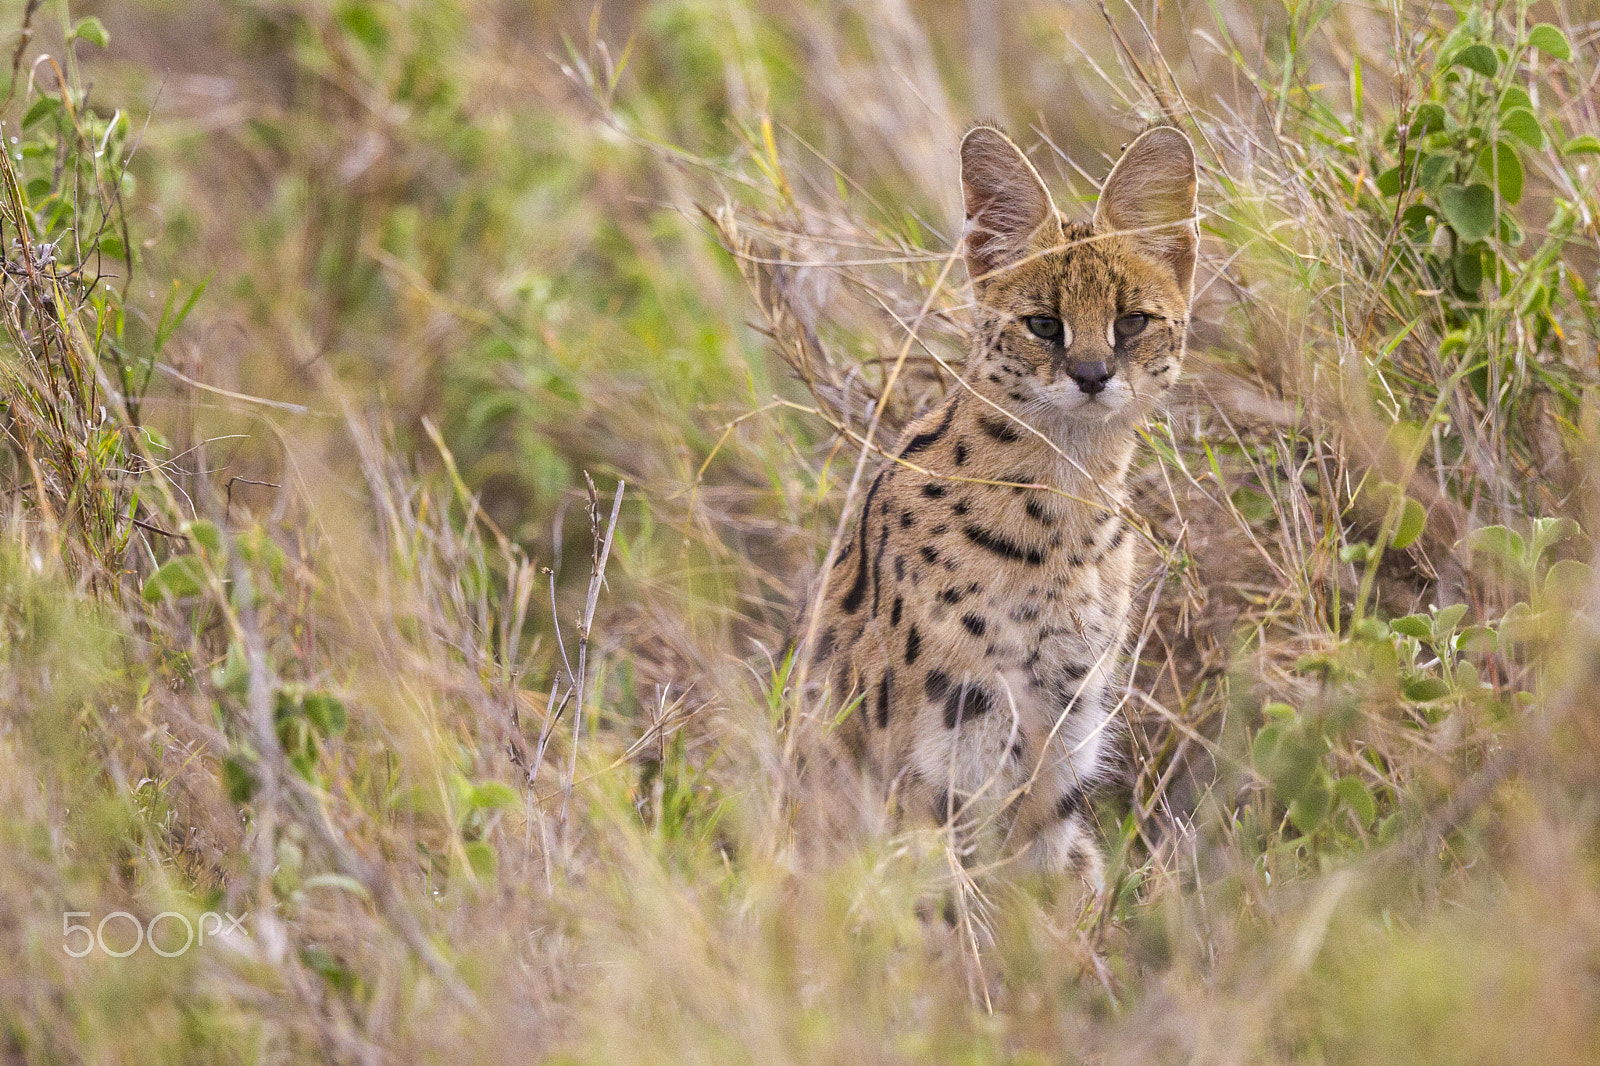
[{"x": 316, "y": 316}]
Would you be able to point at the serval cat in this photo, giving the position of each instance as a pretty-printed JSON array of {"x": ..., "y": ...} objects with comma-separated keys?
[{"x": 977, "y": 613}]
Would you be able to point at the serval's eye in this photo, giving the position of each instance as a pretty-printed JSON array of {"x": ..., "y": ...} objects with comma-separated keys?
[
  {"x": 1045, "y": 327},
  {"x": 1132, "y": 325}
]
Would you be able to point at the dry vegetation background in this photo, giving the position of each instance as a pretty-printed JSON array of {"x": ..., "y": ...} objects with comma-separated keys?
[{"x": 318, "y": 315}]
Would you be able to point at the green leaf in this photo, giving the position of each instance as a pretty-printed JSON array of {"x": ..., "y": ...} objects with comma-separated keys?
[
  {"x": 1415, "y": 220},
  {"x": 258, "y": 547},
  {"x": 362, "y": 23},
  {"x": 1583, "y": 144},
  {"x": 89, "y": 29},
  {"x": 1513, "y": 97},
  {"x": 1549, "y": 531},
  {"x": 1426, "y": 119},
  {"x": 45, "y": 105},
  {"x": 169, "y": 323},
  {"x": 1476, "y": 57},
  {"x": 1511, "y": 234},
  {"x": 1370, "y": 628},
  {"x": 1522, "y": 623},
  {"x": 1501, "y": 163},
  {"x": 1551, "y": 41},
  {"x": 1413, "y": 625},
  {"x": 205, "y": 534},
  {"x": 1265, "y": 745},
  {"x": 1433, "y": 168},
  {"x": 1520, "y": 123},
  {"x": 1426, "y": 690},
  {"x": 1445, "y": 622},
  {"x": 481, "y": 857},
  {"x": 492, "y": 795},
  {"x": 1279, "y": 711},
  {"x": 1496, "y": 540},
  {"x": 326, "y": 712},
  {"x": 1469, "y": 209},
  {"x": 1310, "y": 809},
  {"x": 1478, "y": 640},
  {"x": 1468, "y": 267},
  {"x": 238, "y": 779},
  {"x": 1354, "y": 794},
  {"x": 177, "y": 578},
  {"x": 326, "y": 966},
  {"x": 233, "y": 676},
  {"x": 1412, "y": 520},
  {"x": 1355, "y": 553},
  {"x": 1254, "y": 505},
  {"x": 1568, "y": 577}
]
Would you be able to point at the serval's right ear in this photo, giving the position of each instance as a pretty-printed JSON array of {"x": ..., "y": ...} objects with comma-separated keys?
[{"x": 1009, "y": 212}]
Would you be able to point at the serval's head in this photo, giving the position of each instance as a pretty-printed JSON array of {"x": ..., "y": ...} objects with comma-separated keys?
[{"x": 1079, "y": 324}]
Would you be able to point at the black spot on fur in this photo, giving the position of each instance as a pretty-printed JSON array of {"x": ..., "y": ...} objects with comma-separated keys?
[
  {"x": 858, "y": 591},
  {"x": 951, "y": 595},
  {"x": 913, "y": 645},
  {"x": 925, "y": 440},
  {"x": 894, "y": 612},
  {"x": 965, "y": 702},
  {"x": 961, "y": 507},
  {"x": 974, "y": 624},
  {"x": 1039, "y": 513},
  {"x": 824, "y": 645},
  {"x": 877, "y": 567},
  {"x": 884, "y": 684},
  {"x": 928, "y": 553},
  {"x": 939, "y": 530},
  {"x": 961, "y": 453},
  {"x": 1006, "y": 549},
  {"x": 999, "y": 429},
  {"x": 899, "y": 567},
  {"x": 932, "y": 491},
  {"x": 1017, "y": 481},
  {"x": 941, "y": 806},
  {"x": 907, "y": 519}
]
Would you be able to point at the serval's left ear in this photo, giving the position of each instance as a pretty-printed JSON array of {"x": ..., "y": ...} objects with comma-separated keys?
[{"x": 1150, "y": 197}]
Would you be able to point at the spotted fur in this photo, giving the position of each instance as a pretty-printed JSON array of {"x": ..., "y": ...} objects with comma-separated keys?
[{"x": 977, "y": 615}]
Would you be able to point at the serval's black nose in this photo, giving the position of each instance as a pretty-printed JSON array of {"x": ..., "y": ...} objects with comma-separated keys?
[{"x": 1091, "y": 377}]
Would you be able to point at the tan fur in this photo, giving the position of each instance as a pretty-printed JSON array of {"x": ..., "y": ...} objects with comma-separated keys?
[{"x": 981, "y": 625}]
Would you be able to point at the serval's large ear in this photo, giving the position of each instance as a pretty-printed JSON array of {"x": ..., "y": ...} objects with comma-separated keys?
[
  {"x": 1150, "y": 198},
  {"x": 1009, "y": 212}
]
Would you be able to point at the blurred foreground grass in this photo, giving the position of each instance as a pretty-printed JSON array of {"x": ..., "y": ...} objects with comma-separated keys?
[{"x": 317, "y": 315}]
